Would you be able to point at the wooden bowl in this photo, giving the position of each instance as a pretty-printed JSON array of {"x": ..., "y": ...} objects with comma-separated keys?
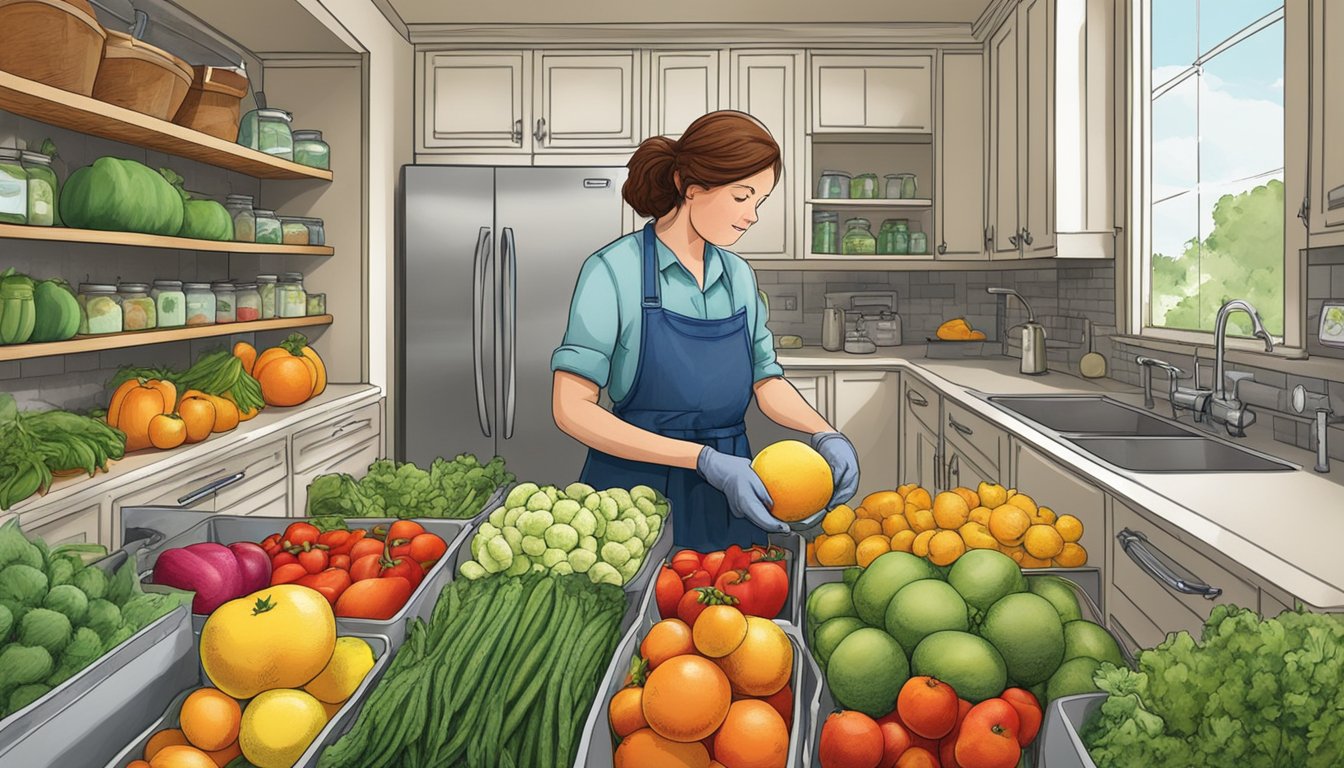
[
  {"x": 55, "y": 42},
  {"x": 141, "y": 77}
]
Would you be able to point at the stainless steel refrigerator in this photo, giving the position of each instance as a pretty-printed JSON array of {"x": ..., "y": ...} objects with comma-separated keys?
[{"x": 486, "y": 266}]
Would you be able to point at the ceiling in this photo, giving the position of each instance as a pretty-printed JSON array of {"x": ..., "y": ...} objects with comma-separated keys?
[
  {"x": 687, "y": 11},
  {"x": 267, "y": 26}
]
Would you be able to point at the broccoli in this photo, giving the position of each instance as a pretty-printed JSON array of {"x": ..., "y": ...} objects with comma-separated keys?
[
  {"x": 561, "y": 536},
  {"x": 103, "y": 618},
  {"x": 46, "y": 628},
  {"x": 26, "y": 694},
  {"x": 534, "y": 546},
  {"x": 581, "y": 560},
  {"x": 15, "y": 548},
  {"x": 92, "y": 582},
  {"x": 565, "y": 510},
  {"x": 405, "y": 490},
  {"x": 23, "y": 664},
  {"x": 340, "y": 494},
  {"x": 615, "y": 553},
  {"x": 603, "y": 573},
  {"x": 23, "y": 584}
]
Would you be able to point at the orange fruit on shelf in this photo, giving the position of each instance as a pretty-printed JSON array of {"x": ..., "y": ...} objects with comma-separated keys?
[
  {"x": 1070, "y": 528},
  {"x": 763, "y": 663},
  {"x": 626, "y": 712},
  {"x": 921, "y": 520},
  {"x": 666, "y": 639},
  {"x": 164, "y": 738},
  {"x": 812, "y": 553},
  {"x": 980, "y": 515},
  {"x": 1043, "y": 542},
  {"x": 646, "y": 749},
  {"x": 837, "y": 550},
  {"x": 919, "y": 497},
  {"x": 977, "y": 536},
  {"x": 906, "y": 488},
  {"x": 884, "y": 503},
  {"x": 1009, "y": 523},
  {"x": 920, "y": 546},
  {"x": 950, "y": 510},
  {"x": 991, "y": 494},
  {"x": 1023, "y": 502},
  {"x": 686, "y": 698},
  {"x": 797, "y": 478},
  {"x": 753, "y": 735},
  {"x": 210, "y": 719},
  {"x": 838, "y": 520},
  {"x": 868, "y": 514},
  {"x": 719, "y": 630},
  {"x": 1045, "y": 516}
]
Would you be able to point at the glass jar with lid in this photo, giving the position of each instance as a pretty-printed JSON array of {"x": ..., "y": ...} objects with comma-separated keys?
[
  {"x": 99, "y": 309},
  {"x": 43, "y": 189},
  {"x": 138, "y": 311},
  {"x": 317, "y": 304},
  {"x": 293, "y": 231},
  {"x": 825, "y": 231},
  {"x": 893, "y": 238},
  {"x": 268, "y": 227},
  {"x": 248, "y": 306},
  {"x": 13, "y": 188},
  {"x": 226, "y": 301},
  {"x": 170, "y": 303},
  {"x": 268, "y": 130},
  {"x": 317, "y": 232},
  {"x": 899, "y": 186},
  {"x": 311, "y": 150},
  {"x": 200, "y": 304},
  {"x": 291, "y": 300},
  {"x": 244, "y": 221},
  {"x": 266, "y": 285},
  {"x": 863, "y": 186},
  {"x": 858, "y": 239},
  {"x": 919, "y": 243},
  {"x": 833, "y": 185}
]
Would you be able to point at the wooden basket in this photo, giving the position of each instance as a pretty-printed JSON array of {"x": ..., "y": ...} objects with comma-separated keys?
[
  {"x": 141, "y": 77},
  {"x": 55, "y": 42},
  {"x": 213, "y": 104}
]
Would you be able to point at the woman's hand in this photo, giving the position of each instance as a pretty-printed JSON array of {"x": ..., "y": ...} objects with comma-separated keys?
[
  {"x": 746, "y": 494},
  {"x": 840, "y": 454}
]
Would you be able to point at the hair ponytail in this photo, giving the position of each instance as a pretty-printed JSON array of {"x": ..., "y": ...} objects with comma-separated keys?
[{"x": 651, "y": 188}]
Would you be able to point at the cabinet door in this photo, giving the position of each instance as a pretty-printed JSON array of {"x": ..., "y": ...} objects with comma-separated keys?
[
  {"x": 474, "y": 100},
  {"x": 960, "y": 204},
  {"x": 1003, "y": 150},
  {"x": 1036, "y": 123},
  {"x": 868, "y": 412},
  {"x": 586, "y": 99},
  {"x": 1327, "y": 161},
  {"x": 1050, "y": 485},
  {"x": 264, "y": 489},
  {"x": 80, "y": 523},
  {"x": 683, "y": 86},
  {"x": 353, "y": 459},
  {"x": 921, "y": 456},
  {"x": 965, "y": 469},
  {"x": 336, "y": 435},
  {"x": 890, "y": 94},
  {"x": 767, "y": 86}
]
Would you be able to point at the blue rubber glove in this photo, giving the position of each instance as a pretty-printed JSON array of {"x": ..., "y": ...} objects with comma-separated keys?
[
  {"x": 747, "y": 497},
  {"x": 839, "y": 453}
]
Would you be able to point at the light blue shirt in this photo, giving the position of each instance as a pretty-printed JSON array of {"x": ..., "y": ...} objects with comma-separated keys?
[{"x": 601, "y": 343}]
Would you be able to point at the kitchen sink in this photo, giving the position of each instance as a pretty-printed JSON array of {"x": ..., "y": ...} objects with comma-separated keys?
[
  {"x": 1091, "y": 415},
  {"x": 1190, "y": 453}
]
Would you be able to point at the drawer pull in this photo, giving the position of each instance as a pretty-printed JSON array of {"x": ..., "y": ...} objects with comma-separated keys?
[
  {"x": 915, "y": 398},
  {"x": 348, "y": 426},
  {"x": 1153, "y": 562},
  {"x": 209, "y": 488},
  {"x": 962, "y": 428}
]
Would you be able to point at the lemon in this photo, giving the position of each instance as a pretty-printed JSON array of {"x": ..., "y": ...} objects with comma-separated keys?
[
  {"x": 871, "y": 548},
  {"x": 903, "y": 541},
  {"x": 838, "y": 520},
  {"x": 977, "y": 536},
  {"x": 350, "y": 662},
  {"x": 1009, "y": 523},
  {"x": 950, "y": 510},
  {"x": 920, "y": 546},
  {"x": 945, "y": 547},
  {"x": 894, "y": 525},
  {"x": 980, "y": 515},
  {"x": 991, "y": 494},
  {"x": 863, "y": 528},
  {"x": 1073, "y": 556},
  {"x": 1043, "y": 542},
  {"x": 972, "y": 498},
  {"x": 1070, "y": 528},
  {"x": 919, "y": 497},
  {"x": 921, "y": 520},
  {"x": 1045, "y": 516},
  {"x": 278, "y": 726},
  {"x": 836, "y": 550},
  {"x": 1023, "y": 502}
]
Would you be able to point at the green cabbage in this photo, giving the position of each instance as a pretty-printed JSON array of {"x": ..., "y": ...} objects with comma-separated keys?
[
  {"x": 23, "y": 584},
  {"x": 121, "y": 195},
  {"x": 201, "y": 219},
  {"x": 46, "y": 628},
  {"x": 69, "y": 600}
]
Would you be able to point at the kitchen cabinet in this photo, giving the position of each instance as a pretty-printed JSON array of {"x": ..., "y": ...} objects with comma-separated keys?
[
  {"x": 1053, "y": 486},
  {"x": 976, "y": 446},
  {"x": 346, "y": 443},
  {"x": 586, "y": 100},
  {"x": 1326, "y": 190},
  {"x": 879, "y": 93},
  {"x": 683, "y": 85},
  {"x": 868, "y": 412},
  {"x": 964, "y": 468},
  {"x": 921, "y": 442},
  {"x": 264, "y": 488},
  {"x": 1003, "y": 237},
  {"x": 88, "y": 521},
  {"x": 1036, "y": 125},
  {"x": 474, "y": 100},
  {"x": 768, "y": 85},
  {"x": 959, "y": 206},
  {"x": 814, "y": 386}
]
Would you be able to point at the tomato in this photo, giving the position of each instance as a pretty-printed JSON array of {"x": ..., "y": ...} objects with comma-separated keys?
[
  {"x": 354, "y": 538},
  {"x": 405, "y": 568},
  {"x": 1028, "y": 713},
  {"x": 271, "y": 544},
  {"x": 761, "y": 589},
  {"x": 313, "y": 560},
  {"x": 298, "y": 534},
  {"x": 849, "y": 740},
  {"x": 427, "y": 548},
  {"x": 947, "y": 747},
  {"x": 735, "y": 558},
  {"x": 374, "y": 598},
  {"x": 685, "y": 561},
  {"x": 287, "y": 573},
  {"x": 697, "y": 579},
  {"x": 333, "y": 539},
  {"x": 404, "y": 529},
  {"x": 695, "y": 601},
  {"x": 283, "y": 558},
  {"x": 340, "y": 561},
  {"x": 400, "y": 550},
  {"x": 927, "y": 707},
  {"x": 770, "y": 554},
  {"x": 988, "y": 737},
  {"x": 711, "y": 564},
  {"x": 669, "y": 590},
  {"x": 366, "y": 567},
  {"x": 331, "y": 582},
  {"x": 365, "y": 546}
]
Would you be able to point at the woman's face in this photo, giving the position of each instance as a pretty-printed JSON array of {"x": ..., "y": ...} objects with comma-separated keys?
[{"x": 723, "y": 214}]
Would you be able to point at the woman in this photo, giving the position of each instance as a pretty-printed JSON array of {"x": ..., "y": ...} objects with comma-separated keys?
[{"x": 671, "y": 323}]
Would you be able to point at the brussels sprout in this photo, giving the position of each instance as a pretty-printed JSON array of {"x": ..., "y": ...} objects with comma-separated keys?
[
  {"x": 534, "y": 546},
  {"x": 615, "y": 553},
  {"x": 643, "y": 492},
  {"x": 619, "y": 530},
  {"x": 581, "y": 560},
  {"x": 46, "y": 628},
  {"x": 591, "y": 502},
  {"x": 539, "y": 501},
  {"x": 645, "y": 507},
  {"x": 561, "y": 536},
  {"x": 22, "y": 664},
  {"x": 498, "y": 550},
  {"x": 641, "y": 527},
  {"x": 551, "y": 557},
  {"x": 628, "y": 570},
  {"x": 520, "y": 494},
  {"x": 472, "y": 570},
  {"x": 609, "y": 508},
  {"x": 82, "y": 650},
  {"x": 621, "y": 497},
  {"x": 23, "y": 584},
  {"x": 515, "y": 539},
  {"x": 535, "y": 523},
  {"x": 578, "y": 491},
  {"x": 565, "y": 510},
  {"x": 562, "y": 568},
  {"x": 514, "y": 515},
  {"x": 103, "y": 618},
  {"x": 635, "y": 547},
  {"x": 589, "y": 543},
  {"x": 603, "y": 573},
  {"x": 497, "y": 517},
  {"x": 585, "y": 522}
]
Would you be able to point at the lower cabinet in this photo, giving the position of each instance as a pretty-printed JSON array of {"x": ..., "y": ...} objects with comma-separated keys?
[
  {"x": 86, "y": 522},
  {"x": 264, "y": 487},
  {"x": 868, "y": 412},
  {"x": 965, "y": 468},
  {"x": 922, "y": 456},
  {"x": 814, "y": 386},
  {"x": 1065, "y": 493}
]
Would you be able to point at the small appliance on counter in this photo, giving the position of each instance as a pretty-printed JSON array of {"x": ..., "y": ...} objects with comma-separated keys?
[
  {"x": 872, "y": 312},
  {"x": 833, "y": 329},
  {"x": 858, "y": 343},
  {"x": 1032, "y": 335}
]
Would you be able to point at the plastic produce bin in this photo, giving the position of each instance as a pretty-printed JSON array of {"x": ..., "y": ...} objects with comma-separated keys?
[
  {"x": 188, "y": 675},
  {"x": 1061, "y": 745},
  {"x": 227, "y": 529},
  {"x": 595, "y": 747},
  {"x": 795, "y": 559}
]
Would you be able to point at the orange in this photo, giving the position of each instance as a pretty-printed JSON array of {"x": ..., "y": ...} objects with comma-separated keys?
[
  {"x": 137, "y": 764},
  {"x": 950, "y": 510},
  {"x": 210, "y": 719},
  {"x": 919, "y": 497},
  {"x": 868, "y": 514},
  {"x": 667, "y": 638},
  {"x": 920, "y": 546},
  {"x": 1070, "y": 528},
  {"x": 1073, "y": 556},
  {"x": 917, "y": 757},
  {"x": 921, "y": 520},
  {"x": 838, "y": 520},
  {"x": 181, "y": 756},
  {"x": 753, "y": 736},
  {"x": 763, "y": 663},
  {"x": 1023, "y": 502},
  {"x": 1028, "y": 561},
  {"x": 884, "y": 503},
  {"x": 872, "y": 548},
  {"x": 895, "y": 524},
  {"x": 812, "y": 553},
  {"x": 905, "y": 489},
  {"x": 836, "y": 550},
  {"x": 166, "y": 738},
  {"x": 1009, "y": 523},
  {"x": 1045, "y": 516},
  {"x": 797, "y": 478},
  {"x": 991, "y": 494},
  {"x": 972, "y": 498},
  {"x": 945, "y": 547},
  {"x": 223, "y": 757},
  {"x": 646, "y": 749},
  {"x": 686, "y": 698},
  {"x": 719, "y": 631},
  {"x": 863, "y": 528},
  {"x": 903, "y": 541},
  {"x": 1043, "y": 542},
  {"x": 331, "y": 709},
  {"x": 980, "y": 515},
  {"x": 977, "y": 536},
  {"x": 627, "y": 711}
]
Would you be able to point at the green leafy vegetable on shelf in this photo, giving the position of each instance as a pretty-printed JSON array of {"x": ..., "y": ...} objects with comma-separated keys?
[
  {"x": 201, "y": 219},
  {"x": 35, "y": 444},
  {"x": 217, "y": 372},
  {"x": 121, "y": 196}
]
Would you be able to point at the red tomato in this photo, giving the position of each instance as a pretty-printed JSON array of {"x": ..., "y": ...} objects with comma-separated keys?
[
  {"x": 333, "y": 539},
  {"x": 689, "y": 606},
  {"x": 711, "y": 564},
  {"x": 404, "y": 529},
  {"x": 895, "y": 740},
  {"x": 697, "y": 579},
  {"x": 406, "y": 569},
  {"x": 374, "y": 598},
  {"x": 1028, "y": 713},
  {"x": 283, "y": 558},
  {"x": 928, "y": 707},
  {"x": 761, "y": 589},
  {"x": 287, "y": 573},
  {"x": 668, "y": 590},
  {"x": 313, "y": 560},
  {"x": 849, "y": 740},
  {"x": 297, "y": 534},
  {"x": 988, "y": 737},
  {"x": 366, "y": 567},
  {"x": 331, "y": 583},
  {"x": 427, "y": 548},
  {"x": 365, "y": 546},
  {"x": 400, "y": 551},
  {"x": 947, "y": 747},
  {"x": 734, "y": 558},
  {"x": 271, "y": 544},
  {"x": 685, "y": 561},
  {"x": 770, "y": 554},
  {"x": 354, "y": 538},
  {"x": 340, "y": 561}
]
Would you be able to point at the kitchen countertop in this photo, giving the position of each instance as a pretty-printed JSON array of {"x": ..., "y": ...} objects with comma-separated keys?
[{"x": 1287, "y": 527}]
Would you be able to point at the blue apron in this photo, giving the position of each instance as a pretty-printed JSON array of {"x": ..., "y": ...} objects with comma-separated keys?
[{"x": 693, "y": 382}]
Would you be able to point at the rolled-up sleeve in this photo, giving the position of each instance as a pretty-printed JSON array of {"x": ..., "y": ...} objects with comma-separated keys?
[
  {"x": 763, "y": 363},
  {"x": 594, "y": 321}
]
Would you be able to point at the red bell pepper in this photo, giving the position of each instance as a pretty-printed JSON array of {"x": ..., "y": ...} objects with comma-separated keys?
[
  {"x": 697, "y": 579},
  {"x": 271, "y": 544}
]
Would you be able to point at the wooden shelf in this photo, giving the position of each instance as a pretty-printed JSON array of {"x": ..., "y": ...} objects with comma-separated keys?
[
  {"x": 827, "y": 262},
  {"x": 145, "y": 338},
  {"x": 99, "y": 237},
  {"x": 87, "y": 115},
  {"x": 881, "y": 202}
]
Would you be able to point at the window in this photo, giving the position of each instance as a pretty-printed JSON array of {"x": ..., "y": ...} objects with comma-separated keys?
[{"x": 1214, "y": 199}]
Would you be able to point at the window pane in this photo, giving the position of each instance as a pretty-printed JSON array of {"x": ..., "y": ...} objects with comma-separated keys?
[
  {"x": 1221, "y": 19},
  {"x": 1241, "y": 250},
  {"x": 1241, "y": 109},
  {"x": 1176, "y": 139},
  {"x": 1173, "y": 23},
  {"x": 1175, "y": 262}
]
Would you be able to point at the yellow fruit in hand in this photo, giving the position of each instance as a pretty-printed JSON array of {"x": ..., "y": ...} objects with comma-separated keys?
[
  {"x": 1023, "y": 502},
  {"x": 1043, "y": 542},
  {"x": 863, "y": 528},
  {"x": 870, "y": 548},
  {"x": 797, "y": 478},
  {"x": 278, "y": 637},
  {"x": 864, "y": 513},
  {"x": 972, "y": 498},
  {"x": 920, "y": 498},
  {"x": 894, "y": 525},
  {"x": 278, "y": 726},
  {"x": 350, "y": 662},
  {"x": 885, "y": 503},
  {"x": 920, "y": 546},
  {"x": 903, "y": 541},
  {"x": 1009, "y": 524},
  {"x": 836, "y": 550},
  {"x": 1070, "y": 528},
  {"x": 977, "y": 536},
  {"x": 838, "y": 520},
  {"x": 1073, "y": 556},
  {"x": 1044, "y": 516},
  {"x": 945, "y": 547},
  {"x": 980, "y": 515},
  {"x": 921, "y": 520},
  {"x": 1028, "y": 561},
  {"x": 950, "y": 510},
  {"x": 991, "y": 494}
]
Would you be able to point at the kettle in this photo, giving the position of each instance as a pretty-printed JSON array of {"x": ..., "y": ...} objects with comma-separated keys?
[
  {"x": 1033, "y": 337},
  {"x": 833, "y": 329}
]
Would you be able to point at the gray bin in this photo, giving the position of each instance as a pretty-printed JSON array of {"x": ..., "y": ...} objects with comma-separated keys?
[
  {"x": 795, "y": 562},
  {"x": 1061, "y": 744},
  {"x": 596, "y": 749},
  {"x": 187, "y": 675},
  {"x": 227, "y": 529}
]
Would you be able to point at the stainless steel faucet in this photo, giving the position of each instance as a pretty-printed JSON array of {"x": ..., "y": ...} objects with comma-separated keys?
[
  {"x": 1220, "y": 403},
  {"x": 1173, "y": 375}
]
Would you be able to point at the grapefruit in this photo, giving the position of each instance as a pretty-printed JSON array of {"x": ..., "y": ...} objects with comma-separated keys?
[
  {"x": 968, "y": 663},
  {"x": 922, "y": 608},
  {"x": 866, "y": 672},
  {"x": 797, "y": 478},
  {"x": 983, "y": 577},
  {"x": 1059, "y": 592},
  {"x": 828, "y": 601},
  {"x": 881, "y": 581},
  {"x": 1072, "y": 678},
  {"x": 829, "y": 635},
  {"x": 1085, "y": 639},
  {"x": 1026, "y": 631}
]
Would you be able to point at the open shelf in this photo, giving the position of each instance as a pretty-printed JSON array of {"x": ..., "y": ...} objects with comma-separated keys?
[
  {"x": 880, "y": 202},
  {"x": 88, "y": 115},
  {"x": 828, "y": 262},
  {"x": 158, "y": 336},
  {"x": 99, "y": 237}
]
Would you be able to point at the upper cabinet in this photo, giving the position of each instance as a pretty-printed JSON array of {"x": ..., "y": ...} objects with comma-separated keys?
[
  {"x": 1326, "y": 192},
  {"x": 683, "y": 85},
  {"x": 960, "y": 202},
  {"x": 767, "y": 85},
  {"x": 474, "y": 100},
  {"x": 1004, "y": 198},
  {"x": 872, "y": 93},
  {"x": 586, "y": 100},
  {"x": 1036, "y": 126}
]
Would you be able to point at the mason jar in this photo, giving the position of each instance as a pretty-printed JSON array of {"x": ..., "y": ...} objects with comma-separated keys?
[
  {"x": 317, "y": 304},
  {"x": 893, "y": 238},
  {"x": 293, "y": 231},
  {"x": 138, "y": 310},
  {"x": 311, "y": 150},
  {"x": 919, "y": 243},
  {"x": 833, "y": 185},
  {"x": 200, "y": 304},
  {"x": 226, "y": 301},
  {"x": 244, "y": 221},
  {"x": 99, "y": 309},
  {"x": 268, "y": 227},
  {"x": 13, "y": 188},
  {"x": 825, "y": 231},
  {"x": 170, "y": 303},
  {"x": 266, "y": 285},
  {"x": 248, "y": 306},
  {"x": 291, "y": 300},
  {"x": 858, "y": 240},
  {"x": 863, "y": 186},
  {"x": 268, "y": 130},
  {"x": 43, "y": 189}
]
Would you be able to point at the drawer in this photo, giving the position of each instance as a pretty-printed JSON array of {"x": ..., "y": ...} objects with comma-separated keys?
[
  {"x": 84, "y": 524},
  {"x": 270, "y": 502},
  {"x": 1149, "y": 586},
  {"x": 1130, "y": 626},
  {"x": 265, "y": 470},
  {"x": 336, "y": 435},
  {"x": 354, "y": 461},
  {"x": 922, "y": 402},
  {"x": 975, "y": 435}
]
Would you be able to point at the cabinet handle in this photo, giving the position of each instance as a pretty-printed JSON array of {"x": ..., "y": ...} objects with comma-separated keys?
[
  {"x": 962, "y": 428},
  {"x": 1153, "y": 562},
  {"x": 518, "y": 131},
  {"x": 942, "y": 248},
  {"x": 915, "y": 398},
  {"x": 346, "y": 427},
  {"x": 209, "y": 488},
  {"x": 1015, "y": 241},
  {"x": 989, "y": 236},
  {"x": 540, "y": 133},
  {"x": 1304, "y": 213},
  {"x": 954, "y": 471},
  {"x": 1026, "y": 236}
]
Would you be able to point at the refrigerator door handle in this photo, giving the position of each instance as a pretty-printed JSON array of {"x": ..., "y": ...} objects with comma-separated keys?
[
  {"x": 484, "y": 242},
  {"x": 508, "y": 288}
]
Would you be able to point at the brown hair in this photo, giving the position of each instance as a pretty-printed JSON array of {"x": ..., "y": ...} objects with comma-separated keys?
[{"x": 718, "y": 148}]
